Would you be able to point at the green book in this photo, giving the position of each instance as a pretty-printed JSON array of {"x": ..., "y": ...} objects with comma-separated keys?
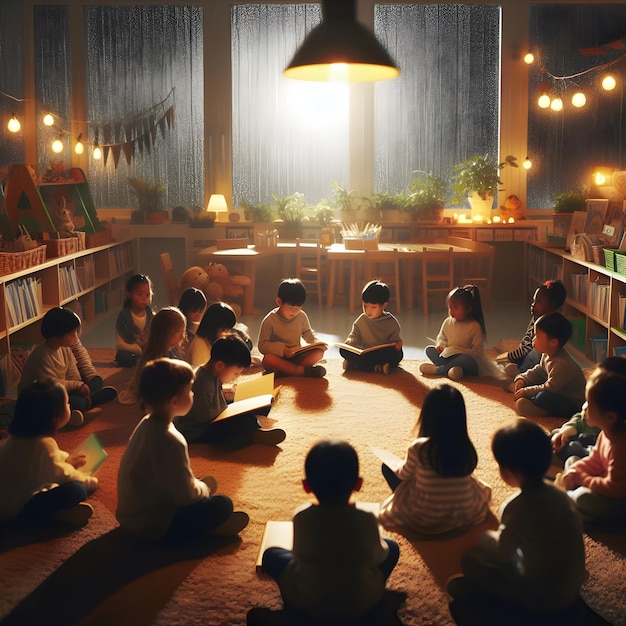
[{"x": 95, "y": 454}]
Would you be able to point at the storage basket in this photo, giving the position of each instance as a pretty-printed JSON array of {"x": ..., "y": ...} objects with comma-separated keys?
[
  {"x": 101, "y": 238},
  {"x": 620, "y": 262},
  {"x": 598, "y": 257},
  {"x": 609, "y": 258},
  {"x": 15, "y": 261},
  {"x": 60, "y": 247}
]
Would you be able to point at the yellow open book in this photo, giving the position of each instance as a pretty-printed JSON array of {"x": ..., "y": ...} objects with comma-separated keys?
[
  {"x": 94, "y": 453},
  {"x": 258, "y": 386},
  {"x": 259, "y": 405},
  {"x": 356, "y": 350}
]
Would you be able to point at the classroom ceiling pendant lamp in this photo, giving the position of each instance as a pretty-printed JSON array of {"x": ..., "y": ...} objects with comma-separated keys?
[{"x": 341, "y": 49}]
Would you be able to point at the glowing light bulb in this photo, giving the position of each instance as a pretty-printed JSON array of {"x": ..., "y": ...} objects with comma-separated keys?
[
  {"x": 57, "y": 146},
  {"x": 14, "y": 125},
  {"x": 556, "y": 104},
  {"x": 544, "y": 101},
  {"x": 527, "y": 164},
  {"x": 97, "y": 152},
  {"x": 579, "y": 99},
  {"x": 600, "y": 178},
  {"x": 608, "y": 83},
  {"x": 79, "y": 148},
  {"x": 529, "y": 57},
  {"x": 48, "y": 120}
]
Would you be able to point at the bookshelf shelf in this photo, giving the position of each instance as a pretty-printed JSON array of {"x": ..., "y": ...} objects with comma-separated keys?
[
  {"x": 596, "y": 302},
  {"x": 94, "y": 279}
]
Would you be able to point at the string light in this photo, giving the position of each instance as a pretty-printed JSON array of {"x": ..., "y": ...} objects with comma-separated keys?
[
  {"x": 527, "y": 164},
  {"x": 97, "y": 151},
  {"x": 57, "y": 145},
  {"x": 48, "y": 119},
  {"x": 579, "y": 99},
  {"x": 543, "y": 101},
  {"x": 529, "y": 58},
  {"x": 608, "y": 83},
  {"x": 14, "y": 124},
  {"x": 79, "y": 148},
  {"x": 556, "y": 104}
]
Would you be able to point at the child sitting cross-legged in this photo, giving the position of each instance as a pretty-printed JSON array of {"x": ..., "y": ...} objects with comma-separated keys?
[
  {"x": 556, "y": 386},
  {"x": 158, "y": 495},
  {"x": 229, "y": 356},
  {"x": 536, "y": 559},
  {"x": 374, "y": 327},
  {"x": 339, "y": 564}
]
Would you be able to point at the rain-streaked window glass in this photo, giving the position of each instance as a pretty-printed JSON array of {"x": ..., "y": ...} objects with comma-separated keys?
[
  {"x": 444, "y": 108},
  {"x": 574, "y": 46},
  {"x": 288, "y": 136}
]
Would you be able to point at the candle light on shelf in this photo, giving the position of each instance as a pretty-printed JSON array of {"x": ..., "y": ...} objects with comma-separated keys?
[
  {"x": 496, "y": 219},
  {"x": 478, "y": 219},
  {"x": 511, "y": 220}
]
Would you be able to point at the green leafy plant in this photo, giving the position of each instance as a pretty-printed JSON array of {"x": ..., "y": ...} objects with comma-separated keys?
[
  {"x": 427, "y": 194},
  {"x": 389, "y": 201},
  {"x": 323, "y": 213},
  {"x": 479, "y": 174},
  {"x": 257, "y": 213},
  {"x": 291, "y": 208},
  {"x": 149, "y": 195},
  {"x": 341, "y": 199},
  {"x": 570, "y": 201}
]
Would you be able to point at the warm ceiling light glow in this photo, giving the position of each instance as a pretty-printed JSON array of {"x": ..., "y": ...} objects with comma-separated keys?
[
  {"x": 97, "y": 152},
  {"x": 527, "y": 164},
  {"x": 556, "y": 104},
  {"x": 544, "y": 101},
  {"x": 14, "y": 124},
  {"x": 608, "y": 83},
  {"x": 529, "y": 57},
  {"x": 48, "y": 120},
  {"x": 57, "y": 145},
  {"x": 579, "y": 99},
  {"x": 79, "y": 148},
  {"x": 341, "y": 39}
]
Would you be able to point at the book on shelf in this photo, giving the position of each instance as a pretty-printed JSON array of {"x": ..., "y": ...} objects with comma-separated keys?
[
  {"x": 259, "y": 405},
  {"x": 95, "y": 454},
  {"x": 359, "y": 351},
  {"x": 258, "y": 386},
  {"x": 279, "y": 533},
  {"x": 291, "y": 351}
]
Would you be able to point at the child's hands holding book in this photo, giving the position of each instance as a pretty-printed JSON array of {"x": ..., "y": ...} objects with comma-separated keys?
[{"x": 77, "y": 461}]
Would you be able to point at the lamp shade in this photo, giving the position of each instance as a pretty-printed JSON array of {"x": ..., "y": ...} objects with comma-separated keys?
[
  {"x": 217, "y": 203},
  {"x": 341, "y": 48}
]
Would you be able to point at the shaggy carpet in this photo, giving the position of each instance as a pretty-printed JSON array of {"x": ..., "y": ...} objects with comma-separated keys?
[{"x": 98, "y": 576}]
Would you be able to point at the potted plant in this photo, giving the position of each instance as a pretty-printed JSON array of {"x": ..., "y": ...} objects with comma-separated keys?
[
  {"x": 351, "y": 206},
  {"x": 390, "y": 205},
  {"x": 257, "y": 213},
  {"x": 565, "y": 204},
  {"x": 291, "y": 210},
  {"x": 427, "y": 194},
  {"x": 150, "y": 199},
  {"x": 199, "y": 218},
  {"x": 478, "y": 179}
]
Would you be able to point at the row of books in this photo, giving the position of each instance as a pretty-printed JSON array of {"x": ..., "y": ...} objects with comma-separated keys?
[
  {"x": 122, "y": 259},
  {"x": 70, "y": 286},
  {"x": 599, "y": 300},
  {"x": 24, "y": 299},
  {"x": 85, "y": 271}
]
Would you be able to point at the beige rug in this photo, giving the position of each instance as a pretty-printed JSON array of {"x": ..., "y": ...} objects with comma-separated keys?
[{"x": 96, "y": 576}]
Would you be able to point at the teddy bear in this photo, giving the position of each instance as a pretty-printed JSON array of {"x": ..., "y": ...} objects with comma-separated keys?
[{"x": 513, "y": 208}]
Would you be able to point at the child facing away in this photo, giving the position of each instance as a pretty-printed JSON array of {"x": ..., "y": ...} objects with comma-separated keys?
[
  {"x": 165, "y": 338},
  {"x": 597, "y": 483},
  {"x": 42, "y": 483},
  {"x": 459, "y": 348},
  {"x": 53, "y": 359},
  {"x": 374, "y": 327},
  {"x": 158, "y": 495},
  {"x": 556, "y": 386},
  {"x": 433, "y": 490},
  {"x": 548, "y": 297},
  {"x": 218, "y": 319},
  {"x": 536, "y": 558},
  {"x": 133, "y": 321},
  {"x": 192, "y": 305},
  {"x": 229, "y": 356},
  {"x": 339, "y": 564},
  {"x": 282, "y": 330}
]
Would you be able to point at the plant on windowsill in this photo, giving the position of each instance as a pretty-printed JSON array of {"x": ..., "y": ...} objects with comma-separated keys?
[
  {"x": 200, "y": 218},
  {"x": 427, "y": 196},
  {"x": 352, "y": 207},
  {"x": 291, "y": 211},
  {"x": 150, "y": 199},
  {"x": 259, "y": 213},
  {"x": 570, "y": 201},
  {"x": 390, "y": 205}
]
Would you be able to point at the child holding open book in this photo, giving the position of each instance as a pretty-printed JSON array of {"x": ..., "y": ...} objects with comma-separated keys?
[
  {"x": 201, "y": 423},
  {"x": 282, "y": 331},
  {"x": 374, "y": 328}
]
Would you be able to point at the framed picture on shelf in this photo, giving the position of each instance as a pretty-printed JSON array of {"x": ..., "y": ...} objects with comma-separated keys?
[
  {"x": 614, "y": 224},
  {"x": 596, "y": 212},
  {"x": 577, "y": 225}
]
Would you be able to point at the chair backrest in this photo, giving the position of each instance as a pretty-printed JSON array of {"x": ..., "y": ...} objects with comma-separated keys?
[
  {"x": 437, "y": 273},
  {"x": 233, "y": 243},
  {"x": 310, "y": 267},
  {"x": 478, "y": 270},
  {"x": 172, "y": 286},
  {"x": 385, "y": 266}
]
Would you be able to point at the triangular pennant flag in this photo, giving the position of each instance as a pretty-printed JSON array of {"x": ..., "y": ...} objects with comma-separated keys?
[
  {"x": 106, "y": 133},
  {"x": 161, "y": 126},
  {"x": 105, "y": 153},
  {"x": 129, "y": 126},
  {"x": 116, "y": 154},
  {"x": 146, "y": 142},
  {"x": 153, "y": 129},
  {"x": 128, "y": 151}
]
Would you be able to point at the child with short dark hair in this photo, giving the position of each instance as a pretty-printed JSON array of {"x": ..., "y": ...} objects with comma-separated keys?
[
  {"x": 229, "y": 356},
  {"x": 41, "y": 483},
  {"x": 158, "y": 494},
  {"x": 556, "y": 386},
  {"x": 547, "y": 298},
  {"x": 374, "y": 327},
  {"x": 53, "y": 359},
  {"x": 133, "y": 321},
  {"x": 597, "y": 483},
  {"x": 434, "y": 490},
  {"x": 536, "y": 559},
  {"x": 339, "y": 564},
  {"x": 192, "y": 304},
  {"x": 218, "y": 319},
  {"x": 283, "y": 329},
  {"x": 459, "y": 348}
]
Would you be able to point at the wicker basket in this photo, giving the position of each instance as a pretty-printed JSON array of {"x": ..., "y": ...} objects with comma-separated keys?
[
  {"x": 101, "y": 238},
  {"x": 15, "y": 261},
  {"x": 60, "y": 247},
  {"x": 598, "y": 256}
]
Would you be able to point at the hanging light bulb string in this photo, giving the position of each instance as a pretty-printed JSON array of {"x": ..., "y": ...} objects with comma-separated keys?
[{"x": 595, "y": 68}]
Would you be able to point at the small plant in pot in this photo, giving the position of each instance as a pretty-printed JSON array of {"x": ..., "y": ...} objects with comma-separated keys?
[
  {"x": 390, "y": 205},
  {"x": 351, "y": 206},
  {"x": 565, "y": 204},
  {"x": 150, "y": 199},
  {"x": 257, "y": 213},
  {"x": 427, "y": 196},
  {"x": 291, "y": 210}
]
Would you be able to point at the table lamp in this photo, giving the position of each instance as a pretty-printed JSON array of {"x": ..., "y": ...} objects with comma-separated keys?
[{"x": 217, "y": 205}]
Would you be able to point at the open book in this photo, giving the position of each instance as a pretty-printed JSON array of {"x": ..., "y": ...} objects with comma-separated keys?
[
  {"x": 279, "y": 534},
  {"x": 349, "y": 348},
  {"x": 392, "y": 461},
  {"x": 95, "y": 454},
  {"x": 293, "y": 350},
  {"x": 258, "y": 386},
  {"x": 259, "y": 405}
]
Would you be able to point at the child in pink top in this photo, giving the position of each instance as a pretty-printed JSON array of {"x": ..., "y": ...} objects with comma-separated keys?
[{"x": 597, "y": 483}]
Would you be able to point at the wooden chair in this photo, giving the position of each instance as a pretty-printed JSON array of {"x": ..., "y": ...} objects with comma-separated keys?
[
  {"x": 310, "y": 267},
  {"x": 384, "y": 265},
  {"x": 437, "y": 273},
  {"x": 172, "y": 286},
  {"x": 232, "y": 244},
  {"x": 479, "y": 269}
]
